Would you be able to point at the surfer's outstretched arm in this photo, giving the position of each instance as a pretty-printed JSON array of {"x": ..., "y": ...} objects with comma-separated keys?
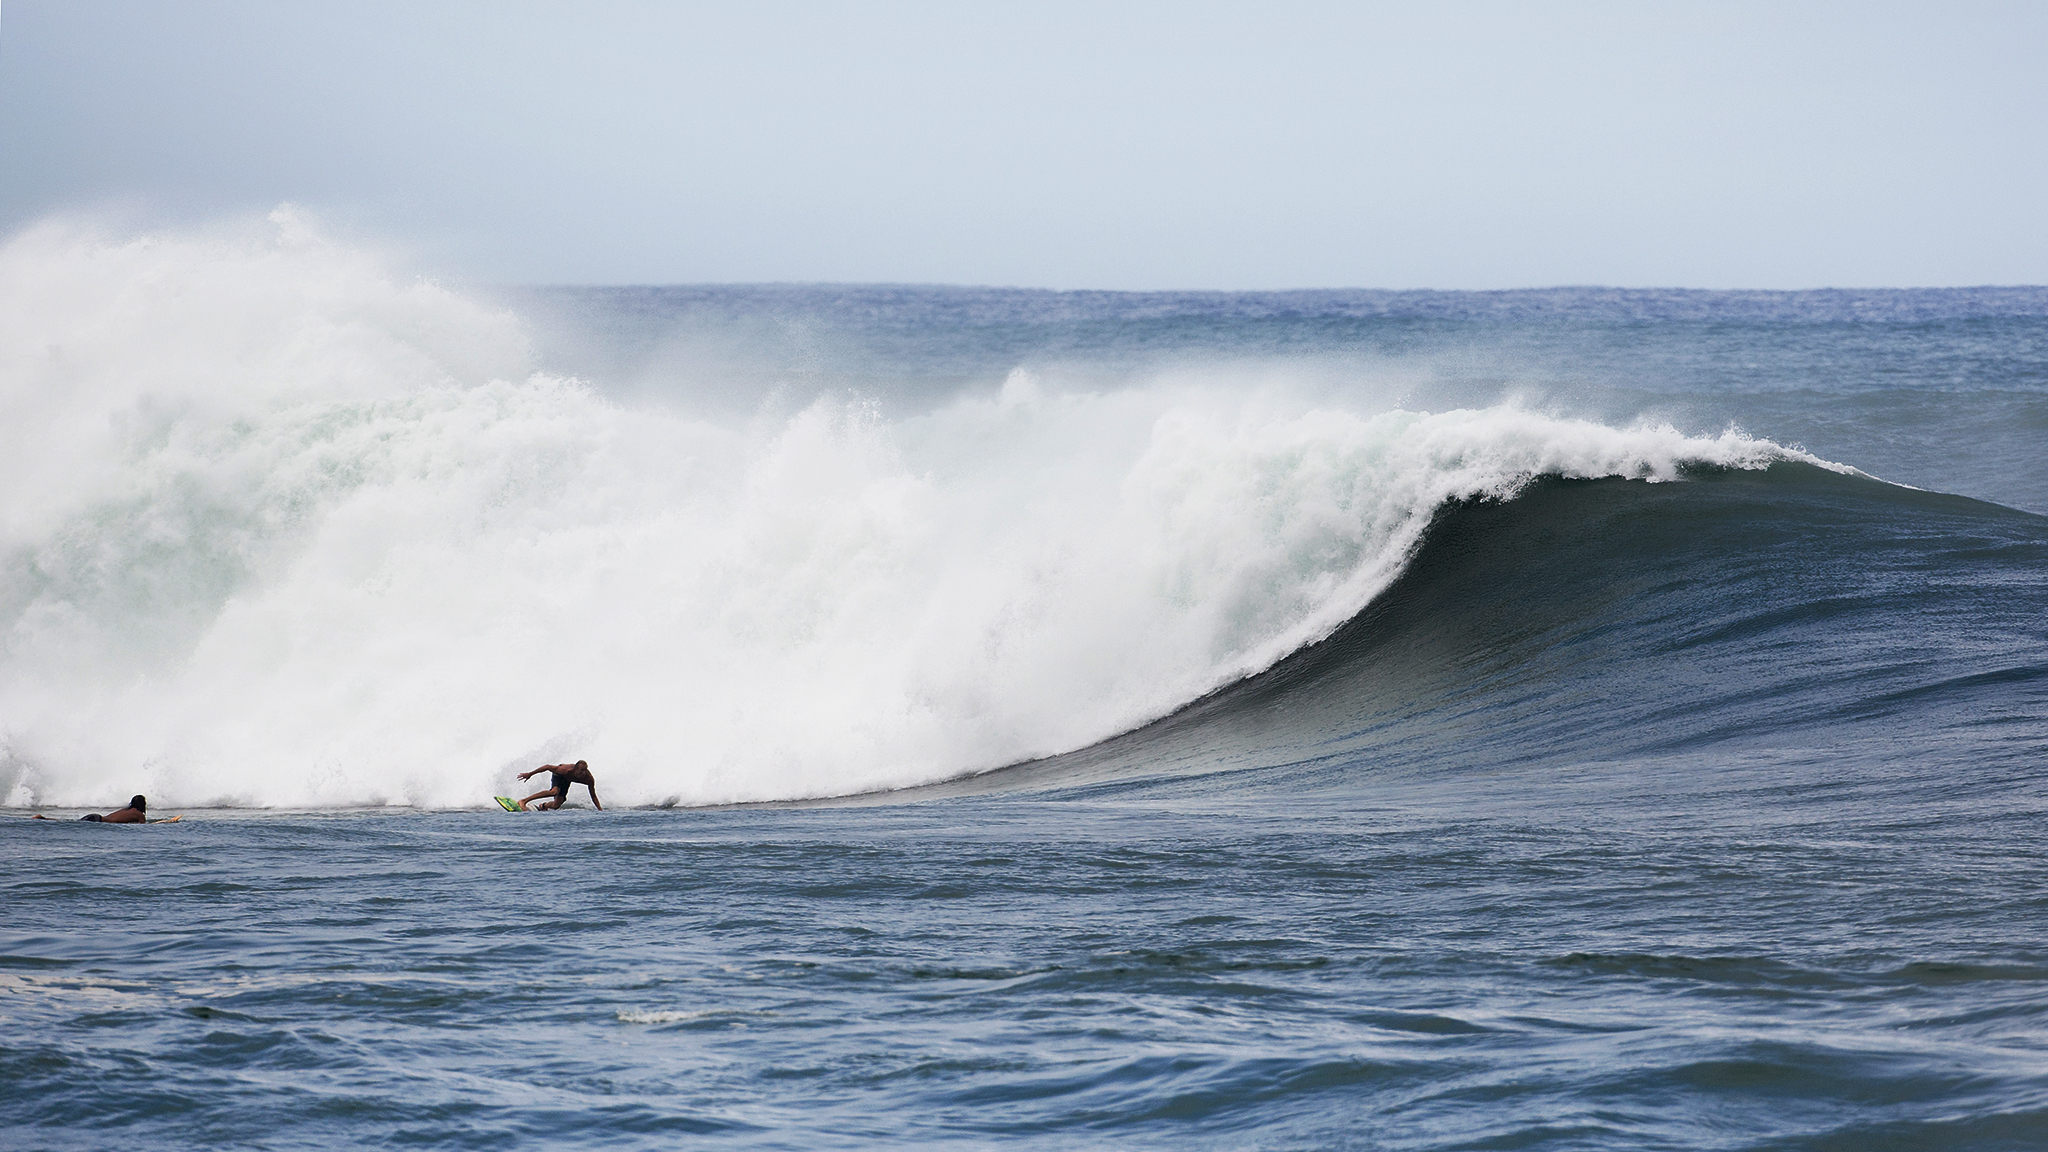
[{"x": 593, "y": 795}]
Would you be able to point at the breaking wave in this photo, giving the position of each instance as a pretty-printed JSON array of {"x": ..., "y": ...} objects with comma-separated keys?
[{"x": 288, "y": 528}]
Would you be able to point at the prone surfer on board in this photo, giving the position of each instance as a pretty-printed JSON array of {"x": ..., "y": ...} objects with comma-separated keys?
[
  {"x": 137, "y": 812},
  {"x": 564, "y": 775}
]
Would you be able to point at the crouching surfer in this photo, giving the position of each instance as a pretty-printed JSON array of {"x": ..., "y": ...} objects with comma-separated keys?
[
  {"x": 563, "y": 776},
  {"x": 137, "y": 812}
]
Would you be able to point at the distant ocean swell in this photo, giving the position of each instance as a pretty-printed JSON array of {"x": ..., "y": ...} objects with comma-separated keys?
[{"x": 290, "y": 531}]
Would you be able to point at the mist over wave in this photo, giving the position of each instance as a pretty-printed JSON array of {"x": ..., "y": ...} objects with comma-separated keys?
[{"x": 288, "y": 528}]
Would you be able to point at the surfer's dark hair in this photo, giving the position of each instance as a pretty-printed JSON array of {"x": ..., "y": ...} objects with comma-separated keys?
[
  {"x": 583, "y": 764},
  {"x": 139, "y": 803}
]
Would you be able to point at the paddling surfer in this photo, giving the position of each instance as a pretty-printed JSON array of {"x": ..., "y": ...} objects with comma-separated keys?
[
  {"x": 563, "y": 776},
  {"x": 137, "y": 812}
]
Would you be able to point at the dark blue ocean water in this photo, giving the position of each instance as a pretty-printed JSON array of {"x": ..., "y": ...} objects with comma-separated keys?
[
  {"x": 1746, "y": 957},
  {"x": 1705, "y": 814}
]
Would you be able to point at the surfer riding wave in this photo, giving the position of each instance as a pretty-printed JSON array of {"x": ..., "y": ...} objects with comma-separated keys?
[{"x": 563, "y": 776}]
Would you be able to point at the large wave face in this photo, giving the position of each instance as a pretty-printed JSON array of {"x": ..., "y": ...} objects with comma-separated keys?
[
  {"x": 1792, "y": 625},
  {"x": 284, "y": 528}
]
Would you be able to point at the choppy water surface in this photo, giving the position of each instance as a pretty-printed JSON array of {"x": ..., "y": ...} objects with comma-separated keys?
[{"x": 1792, "y": 957}]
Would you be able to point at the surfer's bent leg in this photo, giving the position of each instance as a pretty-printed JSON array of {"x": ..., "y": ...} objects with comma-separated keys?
[{"x": 536, "y": 796}]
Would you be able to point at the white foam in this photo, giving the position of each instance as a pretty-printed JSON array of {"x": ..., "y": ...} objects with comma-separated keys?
[{"x": 284, "y": 529}]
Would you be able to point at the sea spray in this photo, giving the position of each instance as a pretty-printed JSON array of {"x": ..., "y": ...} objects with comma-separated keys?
[{"x": 287, "y": 528}]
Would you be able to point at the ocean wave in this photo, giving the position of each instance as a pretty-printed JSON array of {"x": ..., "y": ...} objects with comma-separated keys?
[
  {"x": 289, "y": 528},
  {"x": 1735, "y": 627}
]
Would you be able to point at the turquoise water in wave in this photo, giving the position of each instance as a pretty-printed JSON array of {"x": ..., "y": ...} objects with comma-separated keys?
[{"x": 1697, "y": 814}]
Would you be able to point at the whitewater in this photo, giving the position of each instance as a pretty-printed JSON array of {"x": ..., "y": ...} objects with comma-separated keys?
[{"x": 289, "y": 529}]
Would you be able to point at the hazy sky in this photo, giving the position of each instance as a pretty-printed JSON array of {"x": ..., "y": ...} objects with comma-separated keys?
[{"x": 1102, "y": 144}]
